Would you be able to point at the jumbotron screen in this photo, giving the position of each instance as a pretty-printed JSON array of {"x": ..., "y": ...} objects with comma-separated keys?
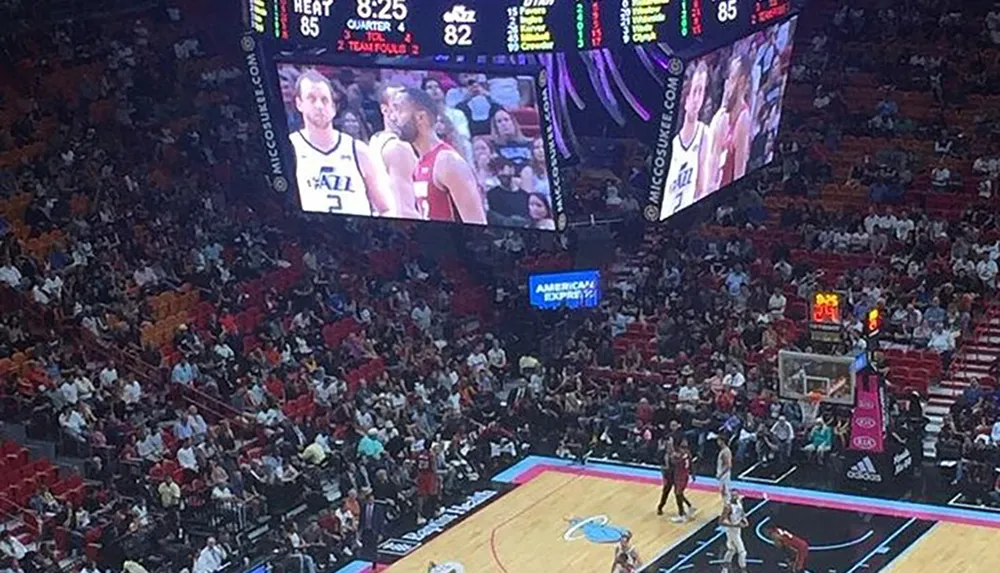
[
  {"x": 728, "y": 116},
  {"x": 417, "y": 144}
]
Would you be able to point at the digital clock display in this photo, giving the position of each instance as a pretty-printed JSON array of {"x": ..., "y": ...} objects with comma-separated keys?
[
  {"x": 826, "y": 308},
  {"x": 379, "y": 27},
  {"x": 495, "y": 27}
]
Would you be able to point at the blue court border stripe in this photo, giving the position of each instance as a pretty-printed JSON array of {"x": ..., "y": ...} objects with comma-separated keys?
[
  {"x": 885, "y": 543},
  {"x": 890, "y": 566},
  {"x": 876, "y": 505},
  {"x": 354, "y": 567}
]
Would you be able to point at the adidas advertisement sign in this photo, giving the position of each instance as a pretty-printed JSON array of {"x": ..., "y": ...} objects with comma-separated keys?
[{"x": 864, "y": 470}]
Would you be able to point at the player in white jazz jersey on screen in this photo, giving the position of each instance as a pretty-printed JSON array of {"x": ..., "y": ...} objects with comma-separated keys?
[
  {"x": 334, "y": 171},
  {"x": 685, "y": 181}
]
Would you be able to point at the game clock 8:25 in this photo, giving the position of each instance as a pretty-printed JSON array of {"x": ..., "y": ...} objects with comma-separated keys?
[{"x": 383, "y": 10}]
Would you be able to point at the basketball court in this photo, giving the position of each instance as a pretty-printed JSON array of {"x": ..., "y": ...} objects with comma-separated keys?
[{"x": 549, "y": 516}]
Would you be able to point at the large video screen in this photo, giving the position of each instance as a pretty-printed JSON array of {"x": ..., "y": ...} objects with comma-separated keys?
[
  {"x": 572, "y": 289},
  {"x": 419, "y": 145},
  {"x": 729, "y": 112}
]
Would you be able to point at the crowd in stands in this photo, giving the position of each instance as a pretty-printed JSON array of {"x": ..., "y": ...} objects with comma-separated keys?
[{"x": 216, "y": 364}]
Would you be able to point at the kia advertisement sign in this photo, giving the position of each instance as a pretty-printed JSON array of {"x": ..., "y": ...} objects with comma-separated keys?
[{"x": 869, "y": 417}]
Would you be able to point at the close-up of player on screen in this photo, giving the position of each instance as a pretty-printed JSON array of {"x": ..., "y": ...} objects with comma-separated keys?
[
  {"x": 444, "y": 183},
  {"x": 686, "y": 177},
  {"x": 334, "y": 171},
  {"x": 730, "y": 129},
  {"x": 396, "y": 158}
]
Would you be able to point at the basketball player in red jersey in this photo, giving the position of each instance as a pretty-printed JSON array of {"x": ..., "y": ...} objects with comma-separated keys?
[
  {"x": 795, "y": 547},
  {"x": 428, "y": 481},
  {"x": 730, "y": 129},
  {"x": 396, "y": 158},
  {"x": 682, "y": 475},
  {"x": 443, "y": 182}
]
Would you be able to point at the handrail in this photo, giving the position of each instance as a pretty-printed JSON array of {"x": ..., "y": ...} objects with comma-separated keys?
[
  {"x": 960, "y": 359},
  {"x": 25, "y": 511},
  {"x": 200, "y": 397}
]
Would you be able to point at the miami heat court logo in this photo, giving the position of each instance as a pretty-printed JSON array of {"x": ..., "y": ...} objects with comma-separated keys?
[
  {"x": 595, "y": 529},
  {"x": 450, "y": 567}
]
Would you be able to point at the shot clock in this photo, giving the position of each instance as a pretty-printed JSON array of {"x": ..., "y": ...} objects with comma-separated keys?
[{"x": 825, "y": 316}]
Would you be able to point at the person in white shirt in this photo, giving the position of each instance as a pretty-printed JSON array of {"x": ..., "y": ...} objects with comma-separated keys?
[
  {"x": 210, "y": 559},
  {"x": 144, "y": 276},
  {"x": 131, "y": 392},
  {"x": 84, "y": 387},
  {"x": 477, "y": 359},
  {"x": 12, "y": 547},
  {"x": 941, "y": 340},
  {"x": 734, "y": 378},
  {"x": 941, "y": 176},
  {"x": 223, "y": 351},
  {"x": 422, "y": 315},
  {"x": 221, "y": 492},
  {"x": 186, "y": 457},
  {"x": 903, "y": 227},
  {"x": 270, "y": 417},
  {"x": 497, "y": 357},
  {"x": 783, "y": 431},
  {"x": 74, "y": 423},
  {"x": 986, "y": 269},
  {"x": 108, "y": 376},
  {"x": 150, "y": 446},
  {"x": 688, "y": 396},
  {"x": 10, "y": 275},
  {"x": 196, "y": 422},
  {"x": 776, "y": 304},
  {"x": 70, "y": 392}
]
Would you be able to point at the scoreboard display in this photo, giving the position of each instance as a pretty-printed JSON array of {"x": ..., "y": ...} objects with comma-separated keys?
[{"x": 495, "y": 27}]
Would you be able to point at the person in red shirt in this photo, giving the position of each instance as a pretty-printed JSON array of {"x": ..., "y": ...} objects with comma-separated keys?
[
  {"x": 428, "y": 481},
  {"x": 444, "y": 183},
  {"x": 796, "y": 548},
  {"x": 682, "y": 475}
]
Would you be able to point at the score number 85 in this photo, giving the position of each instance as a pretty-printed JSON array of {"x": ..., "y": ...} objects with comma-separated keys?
[{"x": 728, "y": 10}]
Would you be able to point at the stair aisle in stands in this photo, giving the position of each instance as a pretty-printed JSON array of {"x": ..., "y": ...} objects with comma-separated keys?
[{"x": 974, "y": 358}]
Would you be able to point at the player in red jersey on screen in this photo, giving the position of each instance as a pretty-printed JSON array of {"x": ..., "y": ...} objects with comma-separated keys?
[
  {"x": 730, "y": 129},
  {"x": 428, "y": 481},
  {"x": 396, "y": 158},
  {"x": 334, "y": 171},
  {"x": 796, "y": 548},
  {"x": 443, "y": 182}
]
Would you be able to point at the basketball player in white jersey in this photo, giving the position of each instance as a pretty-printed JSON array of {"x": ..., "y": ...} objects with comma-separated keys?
[
  {"x": 626, "y": 556},
  {"x": 685, "y": 181},
  {"x": 396, "y": 158},
  {"x": 733, "y": 520},
  {"x": 334, "y": 171},
  {"x": 724, "y": 466}
]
